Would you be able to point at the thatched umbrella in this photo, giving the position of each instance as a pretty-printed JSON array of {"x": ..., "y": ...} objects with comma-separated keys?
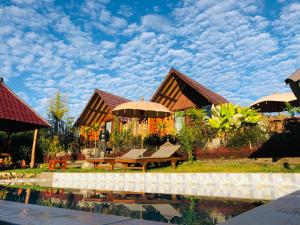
[
  {"x": 275, "y": 102},
  {"x": 141, "y": 110}
]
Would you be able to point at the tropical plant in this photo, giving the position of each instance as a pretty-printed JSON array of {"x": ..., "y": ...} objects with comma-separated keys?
[
  {"x": 292, "y": 110},
  {"x": 227, "y": 117}
]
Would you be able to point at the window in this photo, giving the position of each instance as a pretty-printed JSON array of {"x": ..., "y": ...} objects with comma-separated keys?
[
  {"x": 108, "y": 126},
  {"x": 207, "y": 109},
  {"x": 178, "y": 121}
]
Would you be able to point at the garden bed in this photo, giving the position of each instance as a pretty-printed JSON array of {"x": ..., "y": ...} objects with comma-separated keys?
[{"x": 224, "y": 153}]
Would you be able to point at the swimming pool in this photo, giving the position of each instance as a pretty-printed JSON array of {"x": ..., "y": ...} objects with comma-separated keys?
[{"x": 176, "y": 209}]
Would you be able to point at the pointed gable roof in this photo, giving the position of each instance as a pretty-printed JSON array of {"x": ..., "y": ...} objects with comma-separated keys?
[
  {"x": 294, "y": 82},
  {"x": 100, "y": 104},
  {"x": 177, "y": 84},
  {"x": 15, "y": 114},
  {"x": 295, "y": 77}
]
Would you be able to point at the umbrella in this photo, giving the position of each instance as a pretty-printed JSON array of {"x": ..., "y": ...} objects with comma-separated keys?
[
  {"x": 141, "y": 110},
  {"x": 275, "y": 102}
]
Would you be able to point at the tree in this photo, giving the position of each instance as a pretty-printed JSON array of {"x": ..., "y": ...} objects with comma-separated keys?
[
  {"x": 57, "y": 112},
  {"x": 62, "y": 133}
]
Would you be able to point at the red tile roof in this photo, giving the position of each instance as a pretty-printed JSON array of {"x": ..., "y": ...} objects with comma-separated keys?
[
  {"x": 111, "y": 100},
  {"x": 211, "y": 96},
  {"x": 13, "y": 110}
]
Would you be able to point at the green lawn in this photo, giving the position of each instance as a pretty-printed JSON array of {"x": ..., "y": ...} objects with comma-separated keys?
[
  {"x": 219, "y": 166},
  {"x": 229, "y": 166}
]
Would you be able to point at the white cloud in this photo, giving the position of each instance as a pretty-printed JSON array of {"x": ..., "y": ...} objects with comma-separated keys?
[
  {"x": 228, "y": 46},
  {"x": 157, "y": 22},
  {"x": 125, "y": 10}
]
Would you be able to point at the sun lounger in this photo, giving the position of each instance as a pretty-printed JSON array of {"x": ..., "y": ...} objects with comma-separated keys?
[
  {"x": 102, "y": 162},
  {"x": 164, "y": 154}
]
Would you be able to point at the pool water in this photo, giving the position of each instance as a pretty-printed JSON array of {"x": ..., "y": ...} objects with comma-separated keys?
[{"x": 175, "y": 209}]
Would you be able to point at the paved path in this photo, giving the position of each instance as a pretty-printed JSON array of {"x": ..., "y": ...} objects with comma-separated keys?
[
  {"x": 12, "y": 213},
  {"x": 282, "y": 211}
]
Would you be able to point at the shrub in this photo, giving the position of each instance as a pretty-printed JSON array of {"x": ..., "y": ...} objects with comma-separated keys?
[
  {"x": 124, "y": 140},
  {"x": 186, "y": 139},
  {"x": 55, "y": 146},
  {"x": 246, "y": 136},
  {"x": 197, "y": 133}
]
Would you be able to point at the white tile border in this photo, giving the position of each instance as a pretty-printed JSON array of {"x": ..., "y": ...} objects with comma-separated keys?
[{"x": 235, "y": 185}]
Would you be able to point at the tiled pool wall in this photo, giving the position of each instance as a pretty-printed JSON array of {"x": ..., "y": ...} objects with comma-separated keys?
[{"x": 229, "y": 185}]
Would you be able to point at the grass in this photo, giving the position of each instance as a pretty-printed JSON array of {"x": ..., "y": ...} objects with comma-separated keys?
[
  {"x": 217, "y": 166},
  {"x": 225, "y": 166}
]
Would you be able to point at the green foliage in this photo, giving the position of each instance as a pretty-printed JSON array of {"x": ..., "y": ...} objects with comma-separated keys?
[
  {"x": 7, "y": 161},
  {"x": 228, "y": 117},
  {"x": 187, "y": 139},
  {"x": 58, "y": 107},
  {"x": 197, "y": 133},
  {"x": 197, "y": 116},
  {"x": 62, "y": 136},
  {"x": 3, "y": 141},
  {"x": 55, "y": 146},
  {"x": 124, "y": 139},
  {"x": 292, "y": 110},
  {"x": 247, "y": 136}
]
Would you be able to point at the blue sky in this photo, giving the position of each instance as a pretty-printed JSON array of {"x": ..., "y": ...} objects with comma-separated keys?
[{"x": 240, "y": 49}]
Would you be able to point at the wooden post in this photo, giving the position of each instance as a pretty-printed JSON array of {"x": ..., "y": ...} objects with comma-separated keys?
[
  {"x": 27, "y": 198},
  {"x": 32, "y": 162}
]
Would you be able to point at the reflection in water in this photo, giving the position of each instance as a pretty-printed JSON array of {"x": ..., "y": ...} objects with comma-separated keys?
[{"x": 149, "y": 206}]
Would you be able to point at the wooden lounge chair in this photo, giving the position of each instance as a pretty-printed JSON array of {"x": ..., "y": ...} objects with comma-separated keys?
[
  {"x": 165, "y": 153},
  {"x": 102, "y": 162}
]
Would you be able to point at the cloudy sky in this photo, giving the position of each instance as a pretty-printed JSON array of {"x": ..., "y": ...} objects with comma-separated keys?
[{"x": 239, "y": 49}]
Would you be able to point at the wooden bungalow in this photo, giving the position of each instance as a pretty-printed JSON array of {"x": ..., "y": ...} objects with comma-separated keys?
[
  {"x": 179, "y": 92},
  {"x": 17, "y": 116},
  {"x": 97, "y": 111}
]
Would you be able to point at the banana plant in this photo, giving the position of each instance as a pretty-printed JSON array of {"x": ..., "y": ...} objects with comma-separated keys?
[{"x": 228, "y": 117}]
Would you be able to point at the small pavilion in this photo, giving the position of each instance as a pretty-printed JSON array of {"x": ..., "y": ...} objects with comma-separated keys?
[{"x": 17, "y": 116}]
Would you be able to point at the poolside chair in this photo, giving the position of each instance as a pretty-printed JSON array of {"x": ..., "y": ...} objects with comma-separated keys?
[
  {"x": 102, "y": 162},
  {"x": 167, "y": 153}
]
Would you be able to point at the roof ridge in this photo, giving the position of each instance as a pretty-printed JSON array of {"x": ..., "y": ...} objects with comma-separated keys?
[
  {"x": 109, "y": 93},
  {"x": 206, "y": 92},
  {"x": 191, "y": 82}
]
